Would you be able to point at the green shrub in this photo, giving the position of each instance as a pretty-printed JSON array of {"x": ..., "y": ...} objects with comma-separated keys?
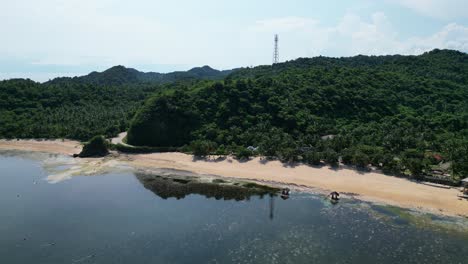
[
  {"x": 347, "y": 156},
  {"x": 243, "y": 153},
  {"x": 290, "y": 154},
  {"x": 221, "y": 150},
  {"x": 331, "y": 157},
  {"x": 360, "y": 159},
  {"x": 98, "y": 146},
  {"x": 390, "y": 164},
  {"x": 202, "y": 148},
  {"x": 312, "y": 158}
]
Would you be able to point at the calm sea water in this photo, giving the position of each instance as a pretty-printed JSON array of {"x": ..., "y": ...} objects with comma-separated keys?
[{"x": 115, "y": 218}]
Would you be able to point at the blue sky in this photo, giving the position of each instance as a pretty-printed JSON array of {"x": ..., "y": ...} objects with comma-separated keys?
[{"x": 50, "y": 38}]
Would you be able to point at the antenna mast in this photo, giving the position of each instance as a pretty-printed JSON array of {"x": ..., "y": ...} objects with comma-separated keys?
[{"x": 276, "y": 52}]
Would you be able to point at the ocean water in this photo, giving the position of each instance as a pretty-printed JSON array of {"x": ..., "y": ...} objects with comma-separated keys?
[{"x": 135, "y": 218}]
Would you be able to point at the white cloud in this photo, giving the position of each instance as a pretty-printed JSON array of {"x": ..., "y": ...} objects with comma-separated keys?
[
  {"x": 353, "y": 35},
  {"x": 284, "y": 24},
  {"x": 84, "y": 35},
  {"x": 452, "y": 36},
  {"x": 103, "y": 33},
  {"x": 299, "y": 37},
  {"x": 76, "y": 32},
  {"x": 442, "y": 9}
]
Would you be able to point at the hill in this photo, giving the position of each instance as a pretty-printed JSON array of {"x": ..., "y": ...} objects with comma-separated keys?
[
  {"x": 119, "y": 75},
  {"x": 83, "y": 107},
  {"x": 402, "y": 113}
]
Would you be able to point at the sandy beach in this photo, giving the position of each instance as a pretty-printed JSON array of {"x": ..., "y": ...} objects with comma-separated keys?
[
  {"x": 65, "y": 147},
  {"x": 369, "y": 186}
]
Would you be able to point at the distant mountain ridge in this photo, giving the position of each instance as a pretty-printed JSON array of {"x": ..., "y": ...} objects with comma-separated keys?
[{"x": 119, "y": 75}]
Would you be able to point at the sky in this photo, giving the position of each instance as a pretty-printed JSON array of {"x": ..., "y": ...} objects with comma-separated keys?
[{"x": 50, "y": 38}]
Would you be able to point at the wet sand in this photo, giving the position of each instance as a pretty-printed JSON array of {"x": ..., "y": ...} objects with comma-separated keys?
[{"x": 369, "y": 186}]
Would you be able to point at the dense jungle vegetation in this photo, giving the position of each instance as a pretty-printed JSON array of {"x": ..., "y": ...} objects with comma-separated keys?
[
  {"x": 400, "y": 113},
  {"x": 404, "y": 114},
  {"x": 119, "y": 75},
  {"x": 82, "y": 107}
]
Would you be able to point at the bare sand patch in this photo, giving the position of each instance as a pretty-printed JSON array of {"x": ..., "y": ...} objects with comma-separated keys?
[{"x": 66, "y": 147}]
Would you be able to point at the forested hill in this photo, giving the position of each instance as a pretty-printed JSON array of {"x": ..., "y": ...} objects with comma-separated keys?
[
  {"x": 119, "y": 75},
  {"x": 444, "y": 64},
  {"x": 77, "y": 111},
  {"x": 82, "y": 107},
  {"x": 405, "y": 113}
]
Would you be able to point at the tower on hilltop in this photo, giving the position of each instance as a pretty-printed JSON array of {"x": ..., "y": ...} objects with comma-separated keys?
[{"x": 276, "y": 52}]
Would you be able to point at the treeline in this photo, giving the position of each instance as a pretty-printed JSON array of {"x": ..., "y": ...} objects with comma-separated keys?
[
  {"x": 83, "y": 107},
  {"x": 33, "y": 110},
  {"x": 405, "y": 114},
  {"x": 119, "y": 75}
]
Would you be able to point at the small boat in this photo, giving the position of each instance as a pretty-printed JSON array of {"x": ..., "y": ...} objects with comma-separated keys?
[{"x": 285, "y": 193}]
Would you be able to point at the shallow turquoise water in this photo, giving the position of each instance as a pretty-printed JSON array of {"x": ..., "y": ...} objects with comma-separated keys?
[{"x": 115, "y": 219}]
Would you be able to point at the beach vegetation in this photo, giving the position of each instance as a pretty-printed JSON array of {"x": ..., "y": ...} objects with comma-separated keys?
[
  {"x": 202, "y": 148},
  {"x": 243, "y": 153},
  {"x": 98, "y": 146}
]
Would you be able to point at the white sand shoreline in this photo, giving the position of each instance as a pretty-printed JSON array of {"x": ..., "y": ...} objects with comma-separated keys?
[{"x": 368, "y": 186}]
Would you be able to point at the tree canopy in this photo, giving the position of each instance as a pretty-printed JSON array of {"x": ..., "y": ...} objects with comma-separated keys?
[
  {"x": 82, "y": 107},
  {"x": 96, "y": 147},
  {"x": 390, "y": 111},
  {"x": 401, "y": 113}
]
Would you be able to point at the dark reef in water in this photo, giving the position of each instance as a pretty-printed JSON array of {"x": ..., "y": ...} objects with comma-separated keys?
[{"x": 176, "y": 187}]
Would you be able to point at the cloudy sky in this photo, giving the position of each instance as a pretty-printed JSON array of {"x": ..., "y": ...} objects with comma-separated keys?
[{"x": 49, "y": 38}]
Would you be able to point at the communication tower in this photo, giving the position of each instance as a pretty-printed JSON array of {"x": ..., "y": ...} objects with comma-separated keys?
[{"x": 276, "y": 52}]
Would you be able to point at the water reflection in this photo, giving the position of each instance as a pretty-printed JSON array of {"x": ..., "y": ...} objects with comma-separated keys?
[{"x": 179, "y": 187}]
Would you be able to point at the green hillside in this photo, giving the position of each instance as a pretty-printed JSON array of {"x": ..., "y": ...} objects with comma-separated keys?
[
  {"x": 120, "y": 75},
  {"x": 404, "y": 113},
  {"x": 33, "y": 110},
  {"x": 86, "y": 106}
]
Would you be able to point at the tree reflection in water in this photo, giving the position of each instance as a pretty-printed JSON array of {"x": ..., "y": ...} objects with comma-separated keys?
[{"x": 179, "y": 187}]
